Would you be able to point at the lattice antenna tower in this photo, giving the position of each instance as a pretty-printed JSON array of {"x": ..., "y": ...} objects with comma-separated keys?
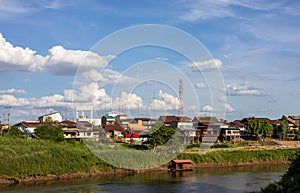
[{"x": 180, "y": 97}]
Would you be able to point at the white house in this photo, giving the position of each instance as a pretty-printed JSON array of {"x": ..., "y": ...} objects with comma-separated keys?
[
  {"x": 56, "y": 117},
  {"x": 28, "y": 127}
]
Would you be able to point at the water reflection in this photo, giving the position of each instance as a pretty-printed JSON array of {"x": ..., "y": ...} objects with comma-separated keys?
[{"x": 231, "y": 180}]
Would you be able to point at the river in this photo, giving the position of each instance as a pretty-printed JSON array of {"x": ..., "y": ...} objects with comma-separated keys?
[{"x": 213, "y": 180}]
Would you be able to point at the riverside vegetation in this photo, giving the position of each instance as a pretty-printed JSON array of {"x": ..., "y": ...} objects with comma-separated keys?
[
  {"x": 289, "y": 183},
  {"x": 23, "y": 158}
]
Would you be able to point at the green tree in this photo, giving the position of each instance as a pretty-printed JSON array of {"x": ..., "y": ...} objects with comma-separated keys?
[
  {"x": 50, "y": 133},
  {"x": 259, "y": 127},
  {"x": 283, "y": 127},
  {"x": 265, "y": 128},
  {"x": 48, "y": 119},
  {"x": 160, "y": 134},
  {"x": 14, "y": 131},
  {"x": 252, "y": 125}
]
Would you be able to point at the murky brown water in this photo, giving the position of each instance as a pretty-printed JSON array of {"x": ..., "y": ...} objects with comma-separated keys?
[{"x": 231, "y": 180}]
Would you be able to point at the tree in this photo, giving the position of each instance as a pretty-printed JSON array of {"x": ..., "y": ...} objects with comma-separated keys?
[
  {"x": 265, "y": 127},
  {"x": 50, "y": 133},
  {"x": 48, "y": 119},
  {"x": 14, "y": 131},
  {"x": 252, "y": 125},
  {"x": 283, "y": 127},
  {"x": 259, "y": 127},
  {"x": 160, "y": 134}
]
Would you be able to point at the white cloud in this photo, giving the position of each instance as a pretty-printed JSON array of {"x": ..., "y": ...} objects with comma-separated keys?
[
  {"x": 11, "y": 9},
  {"x": 46, "y": 101},
  {"x": 207, "y": 108},
  {"x": 12, "y": 91},
  {"x": 166, "y": 101},
  {"x": 206, "y": 9},
  {"x": 229, "y": 108},
  {"x": 88, "y": 93},
  {"x": 206, "y": 65},
  {"x": 163, "y": 59},
  {"x": 59, "y": 61},
  {"x": 244, "y": 89},
  {"x": 128, "y": 101},
  {"x": 200, "y": 85},
  {"x": 228, "y": 56}
]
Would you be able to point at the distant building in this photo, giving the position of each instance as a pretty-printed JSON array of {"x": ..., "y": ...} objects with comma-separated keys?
[
  {"x": 55, "y": 116},
  {"x": 28, "y": 127}
]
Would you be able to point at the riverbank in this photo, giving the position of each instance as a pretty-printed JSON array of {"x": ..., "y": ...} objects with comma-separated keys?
[
  {"x": 122, "y": 172},
  {"x": 32, "y": 161}
]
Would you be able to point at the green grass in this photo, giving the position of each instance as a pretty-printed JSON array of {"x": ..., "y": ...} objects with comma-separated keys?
[
  {"x": 242, "y": 156},
  {"x": 20, "y": 158}
]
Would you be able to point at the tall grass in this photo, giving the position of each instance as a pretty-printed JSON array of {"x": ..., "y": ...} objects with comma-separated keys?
[
  {"x": 20, "y": 158},
  {"x": 242, "y": 156}
]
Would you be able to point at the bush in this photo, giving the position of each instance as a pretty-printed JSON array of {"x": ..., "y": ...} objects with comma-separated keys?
[{"x": 50, "y": 133}]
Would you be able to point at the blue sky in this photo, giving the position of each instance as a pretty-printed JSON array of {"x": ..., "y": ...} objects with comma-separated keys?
[{"x": 254, "y": 44}]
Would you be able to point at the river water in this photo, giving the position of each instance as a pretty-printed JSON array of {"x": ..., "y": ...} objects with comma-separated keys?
[{"x": 213, "y": 180}]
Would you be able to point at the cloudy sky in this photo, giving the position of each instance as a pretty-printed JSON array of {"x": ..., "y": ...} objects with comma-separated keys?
[{"x": 49, "y": 59}]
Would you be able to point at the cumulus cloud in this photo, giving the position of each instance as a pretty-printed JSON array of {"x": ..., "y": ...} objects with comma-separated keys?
[
  {"x": 200, "y": 85},
  {"x": 88, "y": 93},
  {"x": 244, "y": 89},
  {"x": 46, "y": 101},
  {"x": 128, "y": 101},
  {"x": 166, "y": 101},
  {"x": 59, "y": 61},
  {"x": 206, "y": 65},
  {"x": 12, "y": 91}
]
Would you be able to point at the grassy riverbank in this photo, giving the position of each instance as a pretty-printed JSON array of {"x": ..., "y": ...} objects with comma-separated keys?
[
  {"x": 242, "y": 156},
  {"x": 21, "y": 158},
  {"x": 32, "y": 159}
]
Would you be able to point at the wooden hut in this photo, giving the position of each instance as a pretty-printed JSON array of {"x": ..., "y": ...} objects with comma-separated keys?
[{"x": 180, "y": 165}]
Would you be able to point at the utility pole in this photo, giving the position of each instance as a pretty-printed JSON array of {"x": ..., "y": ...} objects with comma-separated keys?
[
  {"x": 8, "y": 115},
  {"x": 154, "y": 100},
  {"x": 180, "y": 93}
]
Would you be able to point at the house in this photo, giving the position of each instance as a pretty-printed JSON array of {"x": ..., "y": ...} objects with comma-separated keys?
[
  {"x": 113, "y": 130},
  {"x": 108, "y": 120},
  {"x": 28, "y": 127},
  {"x": 55, "y": 117},
  {"x": 88, "y": 134},
  {"x": 70, "y": 129},
  {"x": 184, "y": 122},
  {"x": 294, "y": 122},
  {"x": 207, "y": 128},
  {"x": 237, "y": 124},
  {"x": 230, "y": 134},
  {"x": 169, "y": 121},
  {"x": 137, "y": 124},
  {"x": 84, "y": 125},
  {"x": 180, "y": 165}
]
